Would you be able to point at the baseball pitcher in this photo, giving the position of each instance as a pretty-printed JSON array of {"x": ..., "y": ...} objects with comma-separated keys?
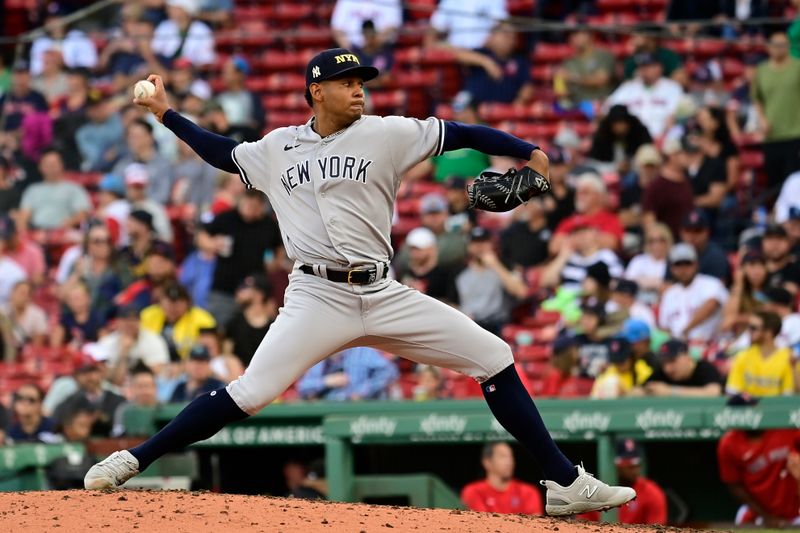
[{"x": 332, "y": 183}]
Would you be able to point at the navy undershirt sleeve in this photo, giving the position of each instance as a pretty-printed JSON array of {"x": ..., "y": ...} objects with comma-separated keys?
[
  {"x": 214, "y": 149},
  {"x": 485, "y": 139}
]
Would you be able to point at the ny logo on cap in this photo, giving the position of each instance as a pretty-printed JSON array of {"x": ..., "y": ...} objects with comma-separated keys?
[
  {"x": 315, "y": 72},
  {"x": 346, "y": 57}
]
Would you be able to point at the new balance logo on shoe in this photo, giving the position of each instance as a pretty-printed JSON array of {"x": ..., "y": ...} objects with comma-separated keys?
[{"x": 589, "y": 491}]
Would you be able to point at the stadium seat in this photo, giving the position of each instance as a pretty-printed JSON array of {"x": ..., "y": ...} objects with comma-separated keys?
[
  {"x": 273, "y": 61},
  {"x": 288, "y": 118},
  {"x": 415, "y": 80},
  {"x": 388, "y": 102},
  {"x": 751, "y": 159},
  {"x": 542, "y": 318},
  {"x": 288, "y": 12},
  {"x": 613, "y": 6},
  {"x": 408, "y": 207},
  {"x": 550, "y": 53},
  {"x": 732, "y": 68},
  {"x": 542, "y": 73},
  {"x": 533, "y": 352}
]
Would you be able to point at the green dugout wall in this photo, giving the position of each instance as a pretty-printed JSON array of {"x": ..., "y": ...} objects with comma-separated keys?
[{"x": 443, "y": 438}]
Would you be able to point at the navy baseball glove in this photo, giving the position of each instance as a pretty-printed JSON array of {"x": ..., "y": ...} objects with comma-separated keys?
[{"x": 503, "y": 192}]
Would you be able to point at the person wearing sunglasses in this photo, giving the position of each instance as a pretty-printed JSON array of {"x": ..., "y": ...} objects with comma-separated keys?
[
  {"x": 29, "y": 423},
  {"x": 763, "y": 369}
]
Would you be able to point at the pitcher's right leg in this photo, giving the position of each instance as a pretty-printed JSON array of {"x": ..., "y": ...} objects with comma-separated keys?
[
  {"x": 317, "y": 320},
  {"x": 411, "y": 324}
]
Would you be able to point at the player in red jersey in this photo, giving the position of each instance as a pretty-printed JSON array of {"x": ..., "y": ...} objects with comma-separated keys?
[
  {"x": 500, "y": 492},
  {"x": 762, "y": 471},
  {"x": 650, "y": 505}
]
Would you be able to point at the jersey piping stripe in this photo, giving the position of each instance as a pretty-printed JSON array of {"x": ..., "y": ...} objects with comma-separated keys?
[
  {"x": 242, "y": 173},
  {"x": 440, "y": 144}
]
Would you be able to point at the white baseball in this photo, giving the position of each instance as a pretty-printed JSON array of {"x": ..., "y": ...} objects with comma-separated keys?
[{"x": 144, "y": 89}]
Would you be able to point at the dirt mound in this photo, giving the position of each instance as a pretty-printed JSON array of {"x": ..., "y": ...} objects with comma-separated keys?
[{"x": 197, "y": 512}]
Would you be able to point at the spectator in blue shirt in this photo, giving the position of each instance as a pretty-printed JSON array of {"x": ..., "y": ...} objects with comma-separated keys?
[
  {"x": 29, "y": 423},
  {"x": 21, "y": 100},
  {"x": 353, "y": 374},
  {"x": 495, "y": 73},
  {"x": 197, "y": 274},
  {"x": 102, "y": 138},
  {"x": 376, "y": 53},
  {"x": 199, "y": 377}
]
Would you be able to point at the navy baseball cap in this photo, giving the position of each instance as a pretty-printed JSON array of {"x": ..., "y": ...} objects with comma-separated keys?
[
  {"x": 628, "y": 453},
  {"x": 672, "y": 349},
  {"x": 626, "y": 286},
  {"x": 564, "y": 341},
  {"x": 619, "y": 350},
  {"x": 199, "y": 353},
  {"x": 645, "y": 58},
  {"x": 695, "y": 219},
  {"x": 478, "y": 233},
  {"x": 337, "y": 62}
]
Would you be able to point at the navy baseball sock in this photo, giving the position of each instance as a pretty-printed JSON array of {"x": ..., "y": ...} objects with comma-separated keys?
[
  {"x": 513, "y": 407},
  {"x": 199, "y": 420}
]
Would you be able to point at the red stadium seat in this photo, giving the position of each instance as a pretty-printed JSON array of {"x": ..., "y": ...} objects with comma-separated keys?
[
  {"x": 542, "y": 73},
  {"x": 415, "y": 80},
  {"x": 751, "y": 159},
  {"x": 387, "y": 102},
  {"x": 708, "y": 48},
  {"x": 408, "y": 207},
  {"x": 521, "y": 8},
  {"x": 288, "y": 12},
  {"x": 89, "y": 180},
  {"x": 281, "y": 119},
  {"x": 732, "y": 68},
  {"x": 551, "y": 53},
  {"x": 612, "y": 6},
  {"x": 542, "y": 318},
  {"x": 533, "y": 352},
  {"x": 273, "y": 60},
  {"x": 444, "y": 112},
  {"x": 309, "y": 36}
]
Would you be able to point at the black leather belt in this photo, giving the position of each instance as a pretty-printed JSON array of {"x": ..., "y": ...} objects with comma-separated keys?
[{"x": 355, "y": 276}]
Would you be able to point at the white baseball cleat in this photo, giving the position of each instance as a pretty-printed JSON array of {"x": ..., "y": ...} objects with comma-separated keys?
[
  {"x": 585, "y": 494},
  {"x": 112, "y": 471}
]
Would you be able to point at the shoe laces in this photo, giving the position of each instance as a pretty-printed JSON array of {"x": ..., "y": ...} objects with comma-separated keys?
[
  {"x": 584, "y": 472},
  {"x": 116, "y": 468}
]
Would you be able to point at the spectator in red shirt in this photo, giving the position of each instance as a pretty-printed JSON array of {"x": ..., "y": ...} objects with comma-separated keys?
[
  {"x": 650, "y": 505},
  {"x": 591, "y": 208},
  {"x": 761, "y": 470},
  {"x": 563, "y": 380},
  {"x": 500, "y": 492}
]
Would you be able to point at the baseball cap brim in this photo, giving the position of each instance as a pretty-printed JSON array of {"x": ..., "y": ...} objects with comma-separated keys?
[{"x": 363, "y": 72}]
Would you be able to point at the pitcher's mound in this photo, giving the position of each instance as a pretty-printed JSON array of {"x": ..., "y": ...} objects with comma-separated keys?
[{"x": 198, "y": 512}]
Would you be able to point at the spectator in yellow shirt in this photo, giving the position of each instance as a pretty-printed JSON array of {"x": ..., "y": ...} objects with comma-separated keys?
[
  {"x": 763, "y": 369},
  {"x": 177, "y": 320},
  {"x": 617, "y": 379}
]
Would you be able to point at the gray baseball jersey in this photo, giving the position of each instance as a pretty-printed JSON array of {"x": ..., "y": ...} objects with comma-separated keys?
[
  {"x": 334, "y": 196},
  {"x": 334, "y": 201}
]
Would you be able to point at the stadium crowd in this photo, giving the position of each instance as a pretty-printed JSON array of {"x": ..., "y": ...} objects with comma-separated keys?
[{"x": 665, "y": 262}]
